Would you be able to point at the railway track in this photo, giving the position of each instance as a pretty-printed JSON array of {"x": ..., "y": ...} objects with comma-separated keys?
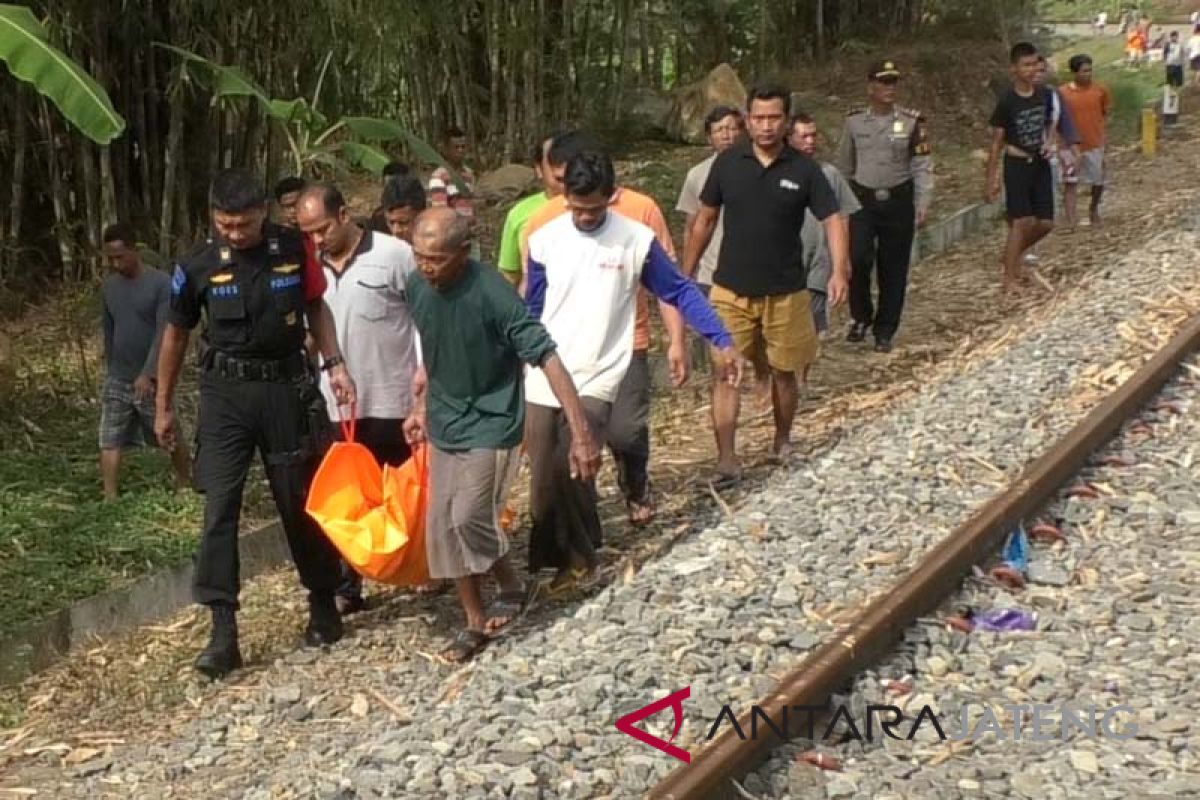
[
  {"x": 534, "y": 717},
  {"x": 714, "y": 770}
]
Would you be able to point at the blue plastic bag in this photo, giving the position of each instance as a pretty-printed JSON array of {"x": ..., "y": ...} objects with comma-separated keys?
[{"x": 1016, "y": 550}]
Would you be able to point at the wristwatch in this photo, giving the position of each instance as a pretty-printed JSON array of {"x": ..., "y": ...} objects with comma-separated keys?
[{"x": 332, "y": 362}]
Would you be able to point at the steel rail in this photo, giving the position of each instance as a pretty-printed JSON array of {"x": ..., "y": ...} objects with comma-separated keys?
[{"x": 938, "y": 574}]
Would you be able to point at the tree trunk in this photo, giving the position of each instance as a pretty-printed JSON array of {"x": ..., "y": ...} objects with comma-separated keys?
[
  {"x": 491, "y": 16},
  {"x": 150, "y": 147},
  {"x": 570, "y": 71},
  {"x": 57, "y": 194},
  {"x": 20, "y": 142},
  {"x": 644, "y": 45},
  {"x": 819, "y": 33},
  {"x": 108, "y": 198},
  {"x": 510, "y": 63},
  {"x": 166, "y": 224},
  {"x": 87, "y": 196}
]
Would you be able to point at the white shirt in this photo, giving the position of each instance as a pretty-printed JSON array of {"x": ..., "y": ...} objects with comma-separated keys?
[
  {"x": 1193, "y": 46},
  {"x": 375, "y": 330},
  {"x": 583, "y": 287},
  {"x": 1173, "y": 53},
  {"x": 591, "y": 283},
  {"x": 689, "y": 203}
]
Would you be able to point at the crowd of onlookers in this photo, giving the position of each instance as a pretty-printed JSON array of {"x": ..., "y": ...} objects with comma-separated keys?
[{"x": 543, "y": 358}]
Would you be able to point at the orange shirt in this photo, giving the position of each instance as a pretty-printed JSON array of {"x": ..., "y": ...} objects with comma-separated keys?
[
  {"x": 628, "y": 203},
  {"x": 1088, "y": 108}
]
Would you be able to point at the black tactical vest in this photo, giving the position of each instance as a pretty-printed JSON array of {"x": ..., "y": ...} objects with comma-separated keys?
[{"x": 255, "y": 298}]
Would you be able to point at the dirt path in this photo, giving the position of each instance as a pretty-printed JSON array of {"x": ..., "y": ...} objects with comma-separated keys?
[{"x": 139, "y": 689}]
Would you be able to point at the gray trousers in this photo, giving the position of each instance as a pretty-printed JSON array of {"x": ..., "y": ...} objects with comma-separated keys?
[{"x": 629, "y": 430}]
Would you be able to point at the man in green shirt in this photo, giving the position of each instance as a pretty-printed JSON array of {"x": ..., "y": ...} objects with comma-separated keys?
[
  {"x": 476, "y": 335},
  {"x": 508, "y": 261}
]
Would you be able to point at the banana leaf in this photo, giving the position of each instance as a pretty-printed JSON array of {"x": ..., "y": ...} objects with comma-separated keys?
[
  {"x": 374, "y": 129},
  {"x": 226, "y": 81},
  {"x": 365, "y": 156},
  {"x": 25, "y": 48}
]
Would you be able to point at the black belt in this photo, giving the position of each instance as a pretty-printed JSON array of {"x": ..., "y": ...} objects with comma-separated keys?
[
  {"x": 257, "y": 369},
  {"x": 866, "y": 194}
]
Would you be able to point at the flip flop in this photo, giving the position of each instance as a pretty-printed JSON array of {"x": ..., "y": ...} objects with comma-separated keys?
[
  {"x": 507, "y": 606},
  {"x": 721, "y": 481},
  {"x": 466, "y": 644},
  {"x": 573, "y": 580}
]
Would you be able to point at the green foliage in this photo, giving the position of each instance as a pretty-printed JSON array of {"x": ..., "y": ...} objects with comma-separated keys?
[
  {"x": 60, "y": 542},
  {"x": 312, "y": 140},
  {"x": 25, "y": 48}
]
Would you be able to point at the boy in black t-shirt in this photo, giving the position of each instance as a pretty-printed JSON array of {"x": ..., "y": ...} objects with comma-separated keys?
[{"x": 1021, "y": 130}]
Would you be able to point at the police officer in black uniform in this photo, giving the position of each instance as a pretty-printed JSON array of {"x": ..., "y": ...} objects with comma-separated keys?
[{"x": 256, "y": 286}]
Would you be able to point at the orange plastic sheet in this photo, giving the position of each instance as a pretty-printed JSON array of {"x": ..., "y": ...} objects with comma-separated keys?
[{"x": 374, "y": 516}]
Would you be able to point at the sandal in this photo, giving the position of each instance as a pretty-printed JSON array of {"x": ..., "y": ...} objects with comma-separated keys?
[
  {"x": 466, "y": 644},
  {"x": 506, "y": 606},
  {"x": 570, "y": 580},
  {"x": 720, "y": 481}
]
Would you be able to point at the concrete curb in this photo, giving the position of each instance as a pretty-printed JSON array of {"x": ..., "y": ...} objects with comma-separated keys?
[
  {"x": 148, "y": 599},
  {"x": 154, "y": 597},
  {"x": 944, "y": 234}
]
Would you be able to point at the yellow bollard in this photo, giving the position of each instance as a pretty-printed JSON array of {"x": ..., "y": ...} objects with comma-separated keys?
[{"x": 1149, "y": 132}]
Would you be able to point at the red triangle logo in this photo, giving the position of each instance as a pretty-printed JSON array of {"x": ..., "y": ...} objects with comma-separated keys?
[{"x": 674, "y": 701}]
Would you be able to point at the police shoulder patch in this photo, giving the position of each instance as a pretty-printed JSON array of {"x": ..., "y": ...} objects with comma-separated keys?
[
  {"x": 912, "y": 112},
  {"x": 178, "y": 280},
  {"x": 286, "y": 269}
]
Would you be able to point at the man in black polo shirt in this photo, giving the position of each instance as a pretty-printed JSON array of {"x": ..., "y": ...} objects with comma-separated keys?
[{"x": 764, "y": 188}]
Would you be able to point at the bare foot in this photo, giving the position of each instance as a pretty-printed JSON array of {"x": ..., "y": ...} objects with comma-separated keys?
[
  {"x": 729, "y": 469},
  {"x": 430, "y": 589},
  {"x": 782, "y": 448},
  {"x": 640, "y": 513},
  {"x": 504, "y": 609}
]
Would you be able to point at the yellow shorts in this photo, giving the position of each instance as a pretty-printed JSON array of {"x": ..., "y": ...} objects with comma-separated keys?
[{"x": 779, "y": 326}]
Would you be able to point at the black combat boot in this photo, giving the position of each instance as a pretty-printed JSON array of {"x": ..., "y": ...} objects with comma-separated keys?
[
  {"x": 324, "y": 621},
  {"x": 221, "y": 656}
]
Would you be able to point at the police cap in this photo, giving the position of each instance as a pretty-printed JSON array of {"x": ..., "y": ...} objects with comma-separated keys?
[{"x": 883, "y": 71}]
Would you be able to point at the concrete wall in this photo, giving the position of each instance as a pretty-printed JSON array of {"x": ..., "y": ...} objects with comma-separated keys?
[
  {"x": 146, "y": 600},
  {"x": 944, "y": 234}
]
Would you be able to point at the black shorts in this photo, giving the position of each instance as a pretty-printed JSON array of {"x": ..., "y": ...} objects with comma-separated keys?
[
  {"x": 1028, "y": 188},
  {"x": 1175, "y": 76}
]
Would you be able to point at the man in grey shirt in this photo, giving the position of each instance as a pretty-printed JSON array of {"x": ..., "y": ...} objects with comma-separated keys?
[
  {"x": 724, "y": 127},
  {"x": 817, "y": 264},
  {"x": 135, "y": 307}
]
